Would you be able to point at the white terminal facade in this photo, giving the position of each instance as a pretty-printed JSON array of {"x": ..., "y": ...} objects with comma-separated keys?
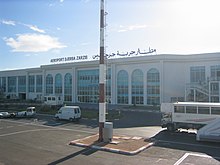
[{"x": 139, "y": 80}]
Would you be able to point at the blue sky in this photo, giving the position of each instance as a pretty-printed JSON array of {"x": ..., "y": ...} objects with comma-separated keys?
[{"x": 32, "y": 32}]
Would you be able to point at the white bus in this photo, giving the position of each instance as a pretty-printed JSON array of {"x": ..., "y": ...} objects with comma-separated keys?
[
  {"x": 53, "y": 100},
  {"x": 188, "y": 114}
]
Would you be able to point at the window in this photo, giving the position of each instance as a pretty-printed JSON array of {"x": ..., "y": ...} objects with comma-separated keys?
[
  {"x": 39, "y": 83},
  {"x": 153, "y": 87},
  {"x": 203, "y": 110},
  {"x": 137, "y": 87},
  {"x": 88, "y": 86},
  {"x": 179, "y": 109},
  {"x": 197, "y": 74},
  {"x": 22, "y": 84},
  {"x": 3, "y": 85},
  {"x": 215, "y": 110},
  {"x": 12, "y": 84},
  {"x": 58, "y": 84},
  {"x": 68, "y": 87},
  {"x": 191, "y": 109},
  {"x": 31, "y": 83},
  {"x": 49, "y": 84},
  {"x": 122, "y": 87},
  {"x": 215, "y": 73}
]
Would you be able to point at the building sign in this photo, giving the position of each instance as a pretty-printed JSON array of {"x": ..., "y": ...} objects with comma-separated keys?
[
  {"x": 118, "y": 54},
  {"x": 67, "y": 59},
  {"x": 131, "y": 53}
]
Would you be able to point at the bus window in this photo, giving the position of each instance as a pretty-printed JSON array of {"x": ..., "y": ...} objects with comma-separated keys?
[
  {"x": 215, "y": 110},
  {"x": 179, "y": 109},
  {"x": 191, "y": 109},
  {"x": 203, "y": 110}
]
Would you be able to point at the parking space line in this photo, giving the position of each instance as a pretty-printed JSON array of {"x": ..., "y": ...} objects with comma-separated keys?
[
  {"x": 47, "y": 126},
  {"x": 26, "y": 131},
  {"x": 191, "y": 154}
]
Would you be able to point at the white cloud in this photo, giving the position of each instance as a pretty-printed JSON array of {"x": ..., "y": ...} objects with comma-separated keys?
[
  {"x": 33, "y": 43},
  {"x": 8, "y": 22},
  {"x": 61, "y": 1},
  {"x": 122, "y": 28},
  {"x": 131, "y": 28},
  {"x": 34, "y": 28},
  {"x": 85, "y": 1}
]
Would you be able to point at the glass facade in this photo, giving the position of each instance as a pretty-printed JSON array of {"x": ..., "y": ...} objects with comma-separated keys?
[
  {"x": 39, "y": 83},
  {"x": 153, "y": 87},
  {"x": 137, "y": 87},
  {"x": 31, "y": 83},
  {"x": 22, "y": 84},
  {"x": 58, "y": 84},
  {"x": 122, "y": 87},
  {"x": 49, "y": 84},
  {"x": 88, "y": 86},
  {"x": 3, "y": 84},
  {"x": 68, "y": 87},
  {"x": 197, "y": 74},
  {"x": 12, "y": 84},
  {"x": 108, "y": 86},
  {"x": 215, "y": 73}
]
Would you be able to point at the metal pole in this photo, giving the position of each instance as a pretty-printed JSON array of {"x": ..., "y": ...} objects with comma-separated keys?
[{"x": 102, "y": 105}]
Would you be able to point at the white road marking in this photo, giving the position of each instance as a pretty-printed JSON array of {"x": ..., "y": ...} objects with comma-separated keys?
[
  {"x": 192, "y": 154},
  {"x": 46, "y": 126},
  {"x": 26, "y": 131}
]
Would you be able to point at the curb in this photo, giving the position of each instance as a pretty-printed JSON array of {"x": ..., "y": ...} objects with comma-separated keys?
[{"x": 113, "y": 150}]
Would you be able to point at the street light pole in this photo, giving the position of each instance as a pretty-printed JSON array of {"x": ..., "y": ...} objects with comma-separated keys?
[{"x": 102, "y": 105}]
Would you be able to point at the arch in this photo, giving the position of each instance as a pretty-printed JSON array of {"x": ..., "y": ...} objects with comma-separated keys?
[
  {"x": 122, "y": 87},
  {"x": 137, "y": 87}
]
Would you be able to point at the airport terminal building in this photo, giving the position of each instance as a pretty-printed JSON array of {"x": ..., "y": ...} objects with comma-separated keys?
[{"x": 138, "y": 80}]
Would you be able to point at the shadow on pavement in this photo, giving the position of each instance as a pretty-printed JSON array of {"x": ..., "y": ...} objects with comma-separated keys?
[{"x": 187, "y": 142}]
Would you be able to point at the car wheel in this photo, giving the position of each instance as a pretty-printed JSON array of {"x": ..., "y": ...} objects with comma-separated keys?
[
  {"x": 71, "y": 119},
  {"x": 170, "y": 128}
]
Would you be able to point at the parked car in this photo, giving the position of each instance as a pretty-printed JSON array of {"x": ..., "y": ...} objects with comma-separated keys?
[
  {"x": 6, "y": 115},
  {"x": 71, "y": 113},
  {"x": 30, "y": 112}
]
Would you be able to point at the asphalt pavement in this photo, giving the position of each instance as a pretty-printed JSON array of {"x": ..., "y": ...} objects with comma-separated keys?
[{"x": 43, "y": 140}]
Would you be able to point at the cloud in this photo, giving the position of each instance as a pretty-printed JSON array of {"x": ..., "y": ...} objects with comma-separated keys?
[
  {"x": 8, "y": 22},
  {"x": 34, "y": 28},
  {"x": 130, "y": 28},
  {"x": 85, "y": 1},
  {"x": 61, "y": 1},
  {"x": 33, "y": 43}
]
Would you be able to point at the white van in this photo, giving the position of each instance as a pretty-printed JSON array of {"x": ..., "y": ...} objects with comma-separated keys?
[
  {"x": 71, "y": 113},
  {"x": 30, "y": 112}
]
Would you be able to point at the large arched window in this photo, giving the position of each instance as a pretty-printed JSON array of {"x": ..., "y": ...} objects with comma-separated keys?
[
  {"x": 68, "y": 87},
  {"x": 153, "y": 87},
  {"x": 49, "y": 84},
  {"x": 137, "y": 89},
  {"x": 58, "y": 84},
  {"x": 122, "y": 87}
]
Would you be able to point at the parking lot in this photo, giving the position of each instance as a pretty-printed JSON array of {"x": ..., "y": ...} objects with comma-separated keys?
[{"x": 43, "y": 140}]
